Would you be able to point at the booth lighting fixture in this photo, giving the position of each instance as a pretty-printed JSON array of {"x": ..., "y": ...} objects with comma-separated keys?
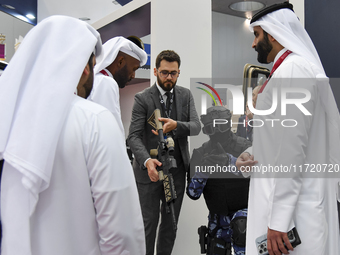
[
  {"x": 30, "y": 16},
  {"x": 247, "y": 6},
  {"x": 8, "y": 6},
  {"x": 23, "y": 18},
  {"x": 85, "y": 19}
]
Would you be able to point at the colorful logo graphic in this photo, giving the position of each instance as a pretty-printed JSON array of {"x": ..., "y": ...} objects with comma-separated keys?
[{"x": 208, "y": 92}]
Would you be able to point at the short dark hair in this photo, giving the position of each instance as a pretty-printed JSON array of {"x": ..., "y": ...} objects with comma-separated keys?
[{"x": 168, "y": 55}]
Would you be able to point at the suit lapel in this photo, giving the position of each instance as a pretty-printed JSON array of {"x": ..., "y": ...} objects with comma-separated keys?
[
  {"x": 155, "y": 97},
  {"x": 178, "y": 100}
]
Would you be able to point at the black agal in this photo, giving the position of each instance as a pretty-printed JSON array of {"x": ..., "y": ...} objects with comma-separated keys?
[{"x": 270, "y": 9}]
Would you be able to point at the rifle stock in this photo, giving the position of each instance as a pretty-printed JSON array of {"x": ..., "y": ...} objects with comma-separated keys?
[{"x": 165, "y": 147}]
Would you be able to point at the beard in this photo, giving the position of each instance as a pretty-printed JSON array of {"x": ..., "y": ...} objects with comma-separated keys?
[
  {"x": 167, "y": 85},
  {"x": 122, "y": 77},
  {"x": 88, "y": 85},
  {"x": 263, "y": 49}
]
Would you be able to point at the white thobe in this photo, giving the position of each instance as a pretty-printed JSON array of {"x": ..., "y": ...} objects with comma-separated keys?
[
  {"x": 309, "y": 204},
  {"x": 106, "y": 93},
  {"x": 91, "y": 206}
]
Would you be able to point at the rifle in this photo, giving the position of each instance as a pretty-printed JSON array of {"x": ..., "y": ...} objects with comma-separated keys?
[{"x": 166, "y": 147}]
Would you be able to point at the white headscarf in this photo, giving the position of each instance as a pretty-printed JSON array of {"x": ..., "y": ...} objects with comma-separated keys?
[
  {"x": 111, "y": 49},
  {"x": 37, "y": 89},
  {"x": 287, "y": 30}
]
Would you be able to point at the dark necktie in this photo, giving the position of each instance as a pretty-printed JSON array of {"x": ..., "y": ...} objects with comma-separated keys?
[{"x": 168, "y": 97}]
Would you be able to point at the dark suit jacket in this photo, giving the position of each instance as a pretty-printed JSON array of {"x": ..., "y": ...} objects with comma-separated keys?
[
  {"x": 141, "y": 139},
  {"x": 242, "y": 130}
]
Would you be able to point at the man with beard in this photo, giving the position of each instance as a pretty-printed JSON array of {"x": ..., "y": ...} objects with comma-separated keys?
[
  {"x": 226, "y": 195},
  {"x": 281, "y": 200},
  {"x": 121, "y": 59},
  {"x": 180, "y": 120},
  {"x": 65, "y": 179}
]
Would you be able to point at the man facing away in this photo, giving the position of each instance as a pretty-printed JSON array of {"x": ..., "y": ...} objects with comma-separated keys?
[
  {"x": 65, "y": 188},
  {"x": 280, "y": 201},
  {"x": 121, "y": 59},
  {"x": 180, "y": 120}
]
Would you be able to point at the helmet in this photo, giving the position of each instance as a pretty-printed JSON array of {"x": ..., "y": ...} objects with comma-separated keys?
[{"x": 215, "y": 112}]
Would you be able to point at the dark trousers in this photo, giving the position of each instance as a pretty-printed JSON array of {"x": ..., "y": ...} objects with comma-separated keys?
[{"x": 152, "y": 200}]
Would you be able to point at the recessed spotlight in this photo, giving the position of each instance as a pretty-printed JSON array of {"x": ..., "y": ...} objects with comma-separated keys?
[
  {"x": 246, "y": 6},
  {"x": 8, "y": 6},
  {"x": 85, "y": 19},
  {"x": 30, "y": 16}
]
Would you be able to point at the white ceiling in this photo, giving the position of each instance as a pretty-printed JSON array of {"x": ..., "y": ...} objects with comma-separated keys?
[
  {"x": 93, "y": 9},
  {"x": 97, "y": 9}
]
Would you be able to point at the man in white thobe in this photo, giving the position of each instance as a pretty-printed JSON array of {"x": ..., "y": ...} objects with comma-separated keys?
[
  {"x": 67, "y": 184},
  {"x": 121, "y": 58},
  {"x": 282, "y": 200}
]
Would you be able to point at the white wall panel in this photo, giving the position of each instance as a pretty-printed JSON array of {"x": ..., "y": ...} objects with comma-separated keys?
[
  {"x": 12, "y": 27},
  {"x": 185, "y": 27}
]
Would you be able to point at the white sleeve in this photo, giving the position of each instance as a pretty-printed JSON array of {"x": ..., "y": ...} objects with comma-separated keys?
[{"x": 114, "y": 191}]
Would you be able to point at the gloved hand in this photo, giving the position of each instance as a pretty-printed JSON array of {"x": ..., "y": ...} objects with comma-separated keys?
[{"x": 217, "y": 156}]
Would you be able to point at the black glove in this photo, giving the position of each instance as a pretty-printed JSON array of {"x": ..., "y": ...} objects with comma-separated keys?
[{"x": 217, "y": 156}]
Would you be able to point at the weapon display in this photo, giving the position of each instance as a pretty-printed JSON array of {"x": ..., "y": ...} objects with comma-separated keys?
[
  {"x": 203, "y": 233},
  {"x": 166, "y": 147}
]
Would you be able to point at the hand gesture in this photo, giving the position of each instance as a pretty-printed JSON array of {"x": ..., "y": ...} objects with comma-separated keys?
[{"x": 168, "y": 126}]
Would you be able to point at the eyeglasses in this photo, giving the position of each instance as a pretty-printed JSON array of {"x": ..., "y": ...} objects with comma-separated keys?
[{"x": 165, "y": 74}]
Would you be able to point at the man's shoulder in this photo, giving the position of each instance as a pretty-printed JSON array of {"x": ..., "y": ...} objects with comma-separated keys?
[
  {"x": 182, "y": 89},
  {"x": 100, "y": 78},
  {"x": 206, "y": 147},
  {"x": 102, "y": 85},
  {"x": 297, "y": 59},
  {"x": 146, "y": 91},
  {"x": 298, "y": 66},
  {"x": 87, "y": 107}
]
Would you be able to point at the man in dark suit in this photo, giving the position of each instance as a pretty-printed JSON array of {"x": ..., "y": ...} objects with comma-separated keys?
[
  {"x": 180, "y": 120},
  {"x": 243, "y": 128}
]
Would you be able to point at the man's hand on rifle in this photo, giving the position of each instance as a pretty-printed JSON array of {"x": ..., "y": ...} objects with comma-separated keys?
[
  {"x": 168, "y": 126},
  {"x": 151, "y": 165}
]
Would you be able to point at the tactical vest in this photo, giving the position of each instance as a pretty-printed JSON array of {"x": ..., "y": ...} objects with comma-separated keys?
[{"x": 227, "y": 195}]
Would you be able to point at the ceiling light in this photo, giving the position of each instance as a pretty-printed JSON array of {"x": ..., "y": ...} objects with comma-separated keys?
[
  {"x": 115, "y": 2},
  {"x": 8, "y": 6},
  {"x": 30, "y": 16},
  {"x": 85, "y": 19},
  {"x": 246, "y": 6},
  {"x": 23, "y": 18}
]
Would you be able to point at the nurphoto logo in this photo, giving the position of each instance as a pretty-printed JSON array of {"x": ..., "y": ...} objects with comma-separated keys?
[{"x": 238, "y": 103}]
